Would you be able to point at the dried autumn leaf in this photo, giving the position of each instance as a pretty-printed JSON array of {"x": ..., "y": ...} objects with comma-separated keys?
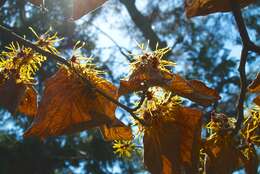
[
  {"x": 116, "y": 131},
  {"x": 149, "y": 70},
  {"x": 11, "y": 95},
  {"x": 221, "y": 153},
  {"x": 161, "y": 148},
  {"x": 82, "y": 7},
  {"x": 194, "y": 90},
  {"x": 221, "y": 146},
  {"x": 205, "y": 7},
  {"x": 172, "y": 138},
  {"x": 18, "y": 97},
  {"x": 257, "y": 100},
  {"x": 190, "y": 135},
  {"x": 69, "y": 106},
  {"x": 36, "y": 2},
  {"x": 28, "y": 104},
  {"x": 251, "y": 161}
]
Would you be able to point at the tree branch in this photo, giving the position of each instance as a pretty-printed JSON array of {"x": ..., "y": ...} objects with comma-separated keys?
[
  {"x": 243, "y": 86},
  {"x": 243, "y": 59},
  {"x": 242, "y": 27},
  {"x": 14, "y": 36}
]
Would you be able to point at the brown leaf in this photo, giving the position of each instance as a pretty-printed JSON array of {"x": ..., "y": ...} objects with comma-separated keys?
[
  {"x": 149, "y": 72},
  {"x": 257, "y": 100},
  {"x": 11, "y": 95},
  {"x": 190, "y": 136},
  {"x": 219, "y": 153},
  {"x": 36, "y": 2},
  {"x": 162, "y": 150},
  {"x": 255, "y": 85},
  {"x": 194, "y": 90},
  {"x": 205, "y": 7},
  {"x": 251, "y": 163},
  {"x": 82, "y": 7},
  {"x": 144, "y": 76},
  {"x": 168, "y": 144},
  {"x": 28, "y": 104},
  {"x": 68, "y": 106},
  {"x": 116, "y": 131}
]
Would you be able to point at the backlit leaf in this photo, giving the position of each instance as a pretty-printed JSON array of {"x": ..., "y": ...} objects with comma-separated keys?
[
  {"x": 257, "y": 100},
  {"x": 161, "y": 148},
  {"x": 190, "y": 136},
  {"x": 221, "y": 146},
  {"x": 227, "y": 154},
  {"x": 116, "y": 131},
  {"x": 251, "y": 161},
  {"x": 18, "y": 98},
  {"x": 68, "y": 105},
  {"x": 171, "y": 138},
  {"x": 150, "y": 70},
  {"x": 205, "y": 7},
  {"x": 82, "y": 7},
  {"x": 28, "y": 104},
  {"x": 11, "y": 95},
  {"x": 36, "y": 2},
  {"x": 194, "y": 90}
]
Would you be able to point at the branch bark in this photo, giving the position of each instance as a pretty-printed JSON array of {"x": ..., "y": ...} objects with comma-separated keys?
[
  {"x": 243, "y": 86},
  {"x": 242, "y": 28},
  {"x": 248, "y": 45}
]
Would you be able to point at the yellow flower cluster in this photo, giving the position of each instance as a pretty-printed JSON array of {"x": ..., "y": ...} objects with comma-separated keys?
[
  {"x": 161, "y": 105},
  {"x": 251, "y": 128},
  {"x": 21, "y": 63},
  {"x": 84, "y": 65},
  {"x": 154, "y": 58},
  {"x": 47, "y": 41},
  {"x": 123, "y": 148},
  {"x": 219, "y": 124}
]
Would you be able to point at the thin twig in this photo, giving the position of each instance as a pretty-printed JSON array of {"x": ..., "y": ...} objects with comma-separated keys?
[{"x": 14, "y": 36}]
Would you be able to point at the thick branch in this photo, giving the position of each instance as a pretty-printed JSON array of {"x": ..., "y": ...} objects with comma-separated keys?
[
  {"x": 14, "y": 36},
  {"x": 248, "y": 45},
  {"x": 240, "y": 22},
  {"x": 242, "y": 27}
]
